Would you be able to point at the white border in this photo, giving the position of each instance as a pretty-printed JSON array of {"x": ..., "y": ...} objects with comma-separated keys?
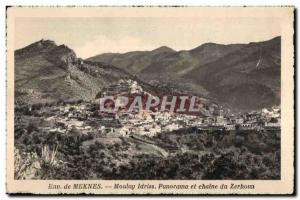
[{"x": 3, "y": 3}]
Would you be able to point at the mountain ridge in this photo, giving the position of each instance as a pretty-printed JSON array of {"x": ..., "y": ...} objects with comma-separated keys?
[
  {"x": 210, "y": 69},
  {"x": 238, "y": 76},
  {"x": 47, "y": 72}
]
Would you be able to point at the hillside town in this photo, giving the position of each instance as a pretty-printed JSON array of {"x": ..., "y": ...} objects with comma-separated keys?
[
  {"x": 87, "y": 118},
  {"x": 209, "y": 113},
  {"x": 151, "y": 123},
  {"x": 100, "y": 122}
]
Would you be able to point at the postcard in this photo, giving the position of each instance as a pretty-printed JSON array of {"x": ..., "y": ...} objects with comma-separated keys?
[{"x": 150, "y": 100}]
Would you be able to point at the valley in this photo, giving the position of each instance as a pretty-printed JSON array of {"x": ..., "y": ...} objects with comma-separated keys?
[{"x": 61, "y": 132}]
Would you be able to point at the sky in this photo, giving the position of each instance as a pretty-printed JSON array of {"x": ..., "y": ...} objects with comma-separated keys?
[{"x": 92, "y": 36}]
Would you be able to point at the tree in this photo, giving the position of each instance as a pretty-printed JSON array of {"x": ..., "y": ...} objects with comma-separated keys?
[{"x": 273, "y": 120}]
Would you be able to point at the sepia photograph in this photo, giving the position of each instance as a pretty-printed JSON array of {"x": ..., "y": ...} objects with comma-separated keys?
[{"x": 143, "y": 94}]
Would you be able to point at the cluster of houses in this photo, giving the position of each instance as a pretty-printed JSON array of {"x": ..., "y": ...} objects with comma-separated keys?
[
  {"x": 256, "y": 120},
  {"x": 146, "y": 123},
  {"x": 86, "y": 120},
  {"x": 123, "y": 86},
  {"x": 80, "y": 117}
]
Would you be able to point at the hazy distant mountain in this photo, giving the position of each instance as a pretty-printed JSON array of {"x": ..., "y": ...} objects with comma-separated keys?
[{"x": 239, "y": 76}]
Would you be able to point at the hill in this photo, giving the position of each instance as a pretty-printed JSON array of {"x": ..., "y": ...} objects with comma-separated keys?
[
  {"x": 47, "y": 72},
  {"x": 241, "y": 77}
]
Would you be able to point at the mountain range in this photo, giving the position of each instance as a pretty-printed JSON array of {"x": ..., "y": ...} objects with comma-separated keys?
[
  {"x": 46, "y": 72},
  {"x": 241, "y": 77},
  {"x": 237, "y": 76}
]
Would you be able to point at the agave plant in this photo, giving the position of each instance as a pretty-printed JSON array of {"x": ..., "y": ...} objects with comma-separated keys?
[{"x": 48, "y": 156}]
